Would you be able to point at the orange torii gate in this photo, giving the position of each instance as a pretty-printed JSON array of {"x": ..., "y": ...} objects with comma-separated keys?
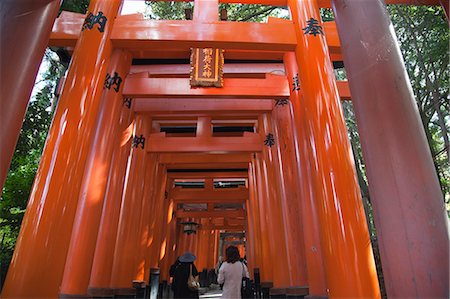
[{"x": 92, "y": 177}]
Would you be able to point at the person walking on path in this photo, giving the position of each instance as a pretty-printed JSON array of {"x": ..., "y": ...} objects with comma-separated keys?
[
  {"x": 180, "y": 271},
  {"x": 231, "y": 273}
]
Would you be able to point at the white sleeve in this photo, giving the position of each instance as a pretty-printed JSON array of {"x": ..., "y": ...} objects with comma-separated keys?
[
  {"x": 246, "y": 271},
  {"x": 221, "y": 276}
]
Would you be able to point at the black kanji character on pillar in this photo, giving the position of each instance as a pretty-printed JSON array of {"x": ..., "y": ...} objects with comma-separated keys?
[
  {"x": 313, "y": 27},
  {"x": 127, "y": 102},
  {"x": 110, "y": 81},
  {"x": 269, "y": 141},
  {"x": 92, "y": 19},
  {"x": 282, "y": 102},
  {"x": 295, "y": 83},
  {"x": 138, "y": 140}
]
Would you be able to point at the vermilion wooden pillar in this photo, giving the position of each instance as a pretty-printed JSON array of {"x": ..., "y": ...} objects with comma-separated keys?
[
  {"x": 217, "y": 247},
  {"x": 186, "y": 242},
  {"x": 266, "y": 266},
  {"x": 275, "y": 196},
  {"x": 170, "y": 254},
  {"x": 124, "y": 265},
  {"x": 213, "y": 249},
  {"x": 87, "y": 219},
  {"x": 157, "y": 223},
  {"x": 38, "y": 264},
  {"x": 19, "y": 64},
  {"x": 250, "y": 236},
  {"x": 163, "y": 221},
  {"x": 254, "y": 256},
  {"x": 191, "y": 243},
  {"x": 409, "y": 211},
  {"x": 202, "y": 247},
  {"x": 271, "y": 199},
  {"x": 304, "y": 162},
  {"x": 100, "y": 279},
  {"x": 152, "y": 181},
  {"x": 289, "y": 180},
  {"x": 345, "y": 239},
  {"x": 206, "y": 11}
]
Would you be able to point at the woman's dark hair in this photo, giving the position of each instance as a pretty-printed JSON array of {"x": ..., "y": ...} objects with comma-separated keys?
[{"x": 232, "y": 254}]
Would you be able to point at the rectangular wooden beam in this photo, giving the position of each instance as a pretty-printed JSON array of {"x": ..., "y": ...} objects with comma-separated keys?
[
  {"x": 210, "y": 106},
  {"x": 228, "y": 69},
  {"x": 213, "y": 165},
  {"x": 344, "y": 90},
  {"x": 158, "y": 143},
  {"x": 211, "y": 214},
  {"x": 230, "y": 54},
  {"x": 203, "y": 158},
  {"x": 139, "y": 35},
  {"x": 187, "y": 195},
  {"x": 272, "y": 87},
  {"x": 230, "y": 228},
  {"x": 151, "y": 34},
  {"x": 205, "y": 175},
  {"x": 66, "y": 29}
]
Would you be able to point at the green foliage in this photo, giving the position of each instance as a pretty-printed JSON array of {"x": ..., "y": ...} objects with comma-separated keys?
[
  {"x": 170, "y": 10},
  {"x": 8, "y": 236},
  {"x": 160, "y": 10},
  {"x": 327, "y": 14},
  {"x": 79, "y": 6},
  {"x": 252, "y": 12}
]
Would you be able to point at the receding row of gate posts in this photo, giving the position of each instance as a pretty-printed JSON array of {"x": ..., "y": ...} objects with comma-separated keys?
[
  {"x": 259, "y": 290},
  {"x": 407, "y": 201}
]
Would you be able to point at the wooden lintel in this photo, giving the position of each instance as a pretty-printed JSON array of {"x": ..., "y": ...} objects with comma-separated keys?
[
  {"x": 201, "y": 166},
  {"x": 158, "y": 143},
  {"x": 228, "y": 68},
  {"x": 203, "y": 158},
  {"x": 205, "y": 175},
  {"x": 133, "y": 33},
  {"x": 230, "y": 228},
  {"x": 236, "y": 221},
  {"x": 210, "y": 106},
  {"x": 344, "y": 90},
  {"x": 272, "y": 87},
  {"x": 151, "y": 34},
  {"x": 211, "y": 214},
  {"x": 185, "y": 195}
]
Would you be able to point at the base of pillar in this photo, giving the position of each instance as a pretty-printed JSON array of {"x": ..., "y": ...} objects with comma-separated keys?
[
  {"x": 266, "y": 284},
  {"x": 124, "y": 292},
  {"x": 297, "y": 292},
  {"x": 277, "y": 293},
  {"x": 71, "y": 296},
  {"x": 101, "y": 292}
]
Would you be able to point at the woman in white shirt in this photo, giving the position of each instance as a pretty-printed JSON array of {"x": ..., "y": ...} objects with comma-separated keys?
[{"x": 231, "y": 273}]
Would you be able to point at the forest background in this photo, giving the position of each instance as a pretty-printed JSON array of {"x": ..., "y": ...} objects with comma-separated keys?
[{"x": 422, "y": 32}]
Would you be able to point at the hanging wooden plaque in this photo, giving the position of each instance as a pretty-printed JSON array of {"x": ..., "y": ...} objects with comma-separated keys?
[{"x": 206, "y": 67}]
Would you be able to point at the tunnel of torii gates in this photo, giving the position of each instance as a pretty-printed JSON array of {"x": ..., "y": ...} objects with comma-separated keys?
[{"x": 263, "y": 161}]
